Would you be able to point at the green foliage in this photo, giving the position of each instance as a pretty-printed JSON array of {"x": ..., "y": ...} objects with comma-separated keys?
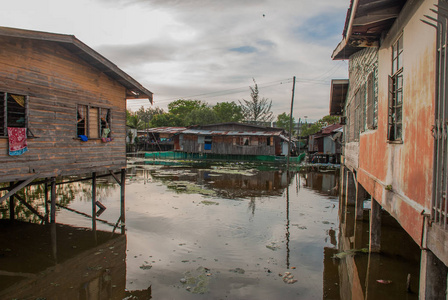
[
  {"x": 183, "y": 107},
  {"x": 133, "y": 121},
  {"x": 167, "y": 120},
  {"x": 311, "y": 129},
  {"x": 146, "y": 115},
  {"x": 201, "y": 116},
  {"x": 284, "y": 122},
  {"x": 228, "y": 112},
  {"x": 329, "y": 120},
  {"x": 257, "y": 110},
  {"x": 316, "y": 127}
]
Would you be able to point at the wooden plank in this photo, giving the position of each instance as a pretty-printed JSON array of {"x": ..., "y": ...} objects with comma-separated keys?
[
  {"x": 34, "y": 211},
  {"x": 18, "y": 187}
]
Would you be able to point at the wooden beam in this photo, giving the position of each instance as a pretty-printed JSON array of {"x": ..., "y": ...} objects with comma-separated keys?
[
  {"x": 115, "y": 177},
  {"x": 18, "y": 187},
  {"x": 29, "y": 207}
]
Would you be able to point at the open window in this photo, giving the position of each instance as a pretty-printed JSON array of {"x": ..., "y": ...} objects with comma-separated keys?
[
  {"x": 395, "y": 117},
  {"x": 13, "y": 112},
  {"x": 93, "y": 122}
]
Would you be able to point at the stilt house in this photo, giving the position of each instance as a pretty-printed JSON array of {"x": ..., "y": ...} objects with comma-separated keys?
[
  {"x": 62, "y": 108},
  {"x": 396, "y": 131},
  {"x": 233, "y": 139}
]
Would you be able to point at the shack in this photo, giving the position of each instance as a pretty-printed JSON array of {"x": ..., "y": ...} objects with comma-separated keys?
[
  {"x": 62, "y": 113},
  {"x": 158, "y": 139},
  {"x": 325, "y": 145},
  {"x": 233, "y": 139}
]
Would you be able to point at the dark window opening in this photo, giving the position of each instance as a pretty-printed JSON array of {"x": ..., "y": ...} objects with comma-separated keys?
[{"x": 13, "y": 112}]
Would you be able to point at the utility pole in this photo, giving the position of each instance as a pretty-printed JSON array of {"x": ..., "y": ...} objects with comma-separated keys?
[{"x": 290, "y": 121}]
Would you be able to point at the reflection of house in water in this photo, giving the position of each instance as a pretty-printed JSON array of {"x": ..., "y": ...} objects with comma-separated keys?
[
  {"x": 393, "y": 274},
  {"x": 61, "y": 262},
  {"x": 324, "y": 183},
  {"x": 240, "y": 186}
]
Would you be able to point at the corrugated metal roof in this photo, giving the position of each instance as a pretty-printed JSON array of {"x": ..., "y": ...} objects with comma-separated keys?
[
  {"x": 232, "y": 133},
  {"x": 168, "y": 130}
]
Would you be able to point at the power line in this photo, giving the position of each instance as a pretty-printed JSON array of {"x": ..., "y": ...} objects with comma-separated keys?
[{"x": 239, "y": 90}]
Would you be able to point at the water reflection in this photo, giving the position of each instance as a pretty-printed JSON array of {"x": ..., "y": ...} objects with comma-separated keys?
[
  {"x": 61, "y": 262},
  {"x": 391, "y": 274},
  {"x": 224, "y": 231}
]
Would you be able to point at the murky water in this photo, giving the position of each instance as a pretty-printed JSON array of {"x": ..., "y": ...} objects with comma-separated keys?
[{"x": 192, "y": 232}]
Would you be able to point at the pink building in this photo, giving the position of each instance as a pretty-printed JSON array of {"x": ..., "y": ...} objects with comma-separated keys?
[{"x": 394, "y": 106}]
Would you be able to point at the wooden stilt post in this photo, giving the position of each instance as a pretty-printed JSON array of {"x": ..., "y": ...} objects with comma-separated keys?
[
  {"x": 53, "y": 200},
  {"x": 11, "y": 205},
  {"x": 351, "y": 189},
  {"x": 54, "y": 242},
  {"x": 94, "y": 201},
  {"x": 375, "y": 227},
  {"x": 47, "y": 210},
  {"x": 360, "y": 195},
  {"x": 122, "y": 201}
]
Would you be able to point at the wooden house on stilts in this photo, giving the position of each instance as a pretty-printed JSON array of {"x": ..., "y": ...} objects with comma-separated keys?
[{"x": 62, "y": 113}]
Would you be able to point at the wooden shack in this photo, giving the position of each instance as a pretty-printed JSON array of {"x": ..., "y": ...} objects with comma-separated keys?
[
  {"x": 68, "y": 101},
  {"x": 233, "y": 139}
]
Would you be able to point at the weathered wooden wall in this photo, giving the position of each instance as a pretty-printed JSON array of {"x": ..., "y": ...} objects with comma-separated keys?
[
  {"x": 56, "y": 81},
  {"x": 225, "y": 145}
]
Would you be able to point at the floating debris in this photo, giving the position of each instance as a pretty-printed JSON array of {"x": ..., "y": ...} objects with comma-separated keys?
[
  {"x": 273, "y": 246},
  {"x": 288, "y": 278},
  {"x": 350, "y": 252},
  {"x": 145, "y": 267},
  {"x": 205, "y": 202},
  {"x": 384, "y": 281},
  {"x": 237, "y": 270},
  {"x": 197, "y": 280}
]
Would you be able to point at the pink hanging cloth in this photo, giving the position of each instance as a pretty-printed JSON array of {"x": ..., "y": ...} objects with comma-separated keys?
[{"x": 17, "y": 140}]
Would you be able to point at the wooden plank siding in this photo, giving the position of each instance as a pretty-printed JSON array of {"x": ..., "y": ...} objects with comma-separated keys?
[
  {"x": 56, "y": 81},
  {"x": 225, "y": 145}
]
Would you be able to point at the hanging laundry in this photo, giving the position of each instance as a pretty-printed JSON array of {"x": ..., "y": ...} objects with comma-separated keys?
[{"x": 17, "y": 141}]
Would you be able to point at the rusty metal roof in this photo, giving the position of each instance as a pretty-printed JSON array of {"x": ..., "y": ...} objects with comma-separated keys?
[
  {"x": 232, "y": 133},
  {"x": 365, "y": 22},
  {"x": 279, "y": 133},
  {"x": 168, "y": 130},
  {"x": 78, "y": 48}
]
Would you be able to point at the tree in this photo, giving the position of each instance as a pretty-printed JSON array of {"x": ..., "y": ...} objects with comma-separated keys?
[
  {"x": 256, "y": 110},
  {"x": 329, "y": 120},
  {"x": 133, "y": 121},
  {"x": 228, "y": 112},
  {"x": 284, "y": 122},
  {"x": 166, "y": 120},
  {"x": 183, "y": 107},
  {"x": 146, "y": 115},
  {"x": 316, "y": 127},
  {"x": 312, "y": 129},
  {"x": 201, "y": 116}
]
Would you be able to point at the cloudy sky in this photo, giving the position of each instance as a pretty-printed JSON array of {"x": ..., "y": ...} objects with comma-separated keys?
[{"x": 209, "y": 50}]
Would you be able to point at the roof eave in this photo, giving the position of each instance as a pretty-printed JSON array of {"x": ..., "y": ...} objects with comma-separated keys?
[{"x": 134, "y": 89}]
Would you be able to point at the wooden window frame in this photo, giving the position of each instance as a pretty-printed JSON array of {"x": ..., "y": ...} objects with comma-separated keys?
[
  {"x": 4, "y": 98},
  {"x": 94, "y": 124},
  {"x": 395, "y": 107}
]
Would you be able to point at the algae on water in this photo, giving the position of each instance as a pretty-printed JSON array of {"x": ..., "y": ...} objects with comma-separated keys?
[{"x": 197, "y": 281}]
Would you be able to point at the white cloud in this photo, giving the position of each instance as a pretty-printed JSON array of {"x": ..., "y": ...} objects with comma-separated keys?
[{"x": 179, "y": 48}]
